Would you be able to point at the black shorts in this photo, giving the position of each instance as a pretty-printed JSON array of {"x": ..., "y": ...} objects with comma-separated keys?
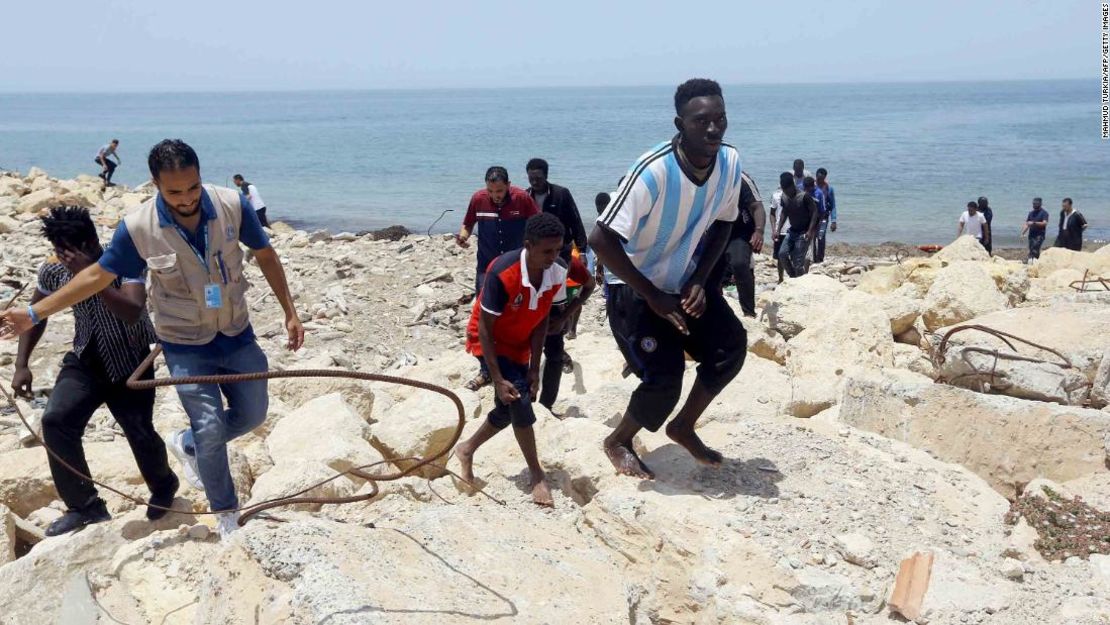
[
  {"x": 778, "y": 246},
  {"x": 656, "y": 350},
  {"x": 519, "y": 413}
]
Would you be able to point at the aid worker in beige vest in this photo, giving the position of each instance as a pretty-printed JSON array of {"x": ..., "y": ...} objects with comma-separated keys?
[{"x": 188, "y": 240}]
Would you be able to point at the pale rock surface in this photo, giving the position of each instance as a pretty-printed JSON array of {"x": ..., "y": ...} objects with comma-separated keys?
[
  {"x": 33, "y": 587},
  {"x": 767, "y": 343},
  {"x": 961, "y": 426},
  {"x": 1056, "y": 258},
  {"x": 799, "y": 302},
  {"x": 421, "y": 425},
  {"x": 7, "y": 535},
  {"x": 295, "y": 475},
  {"x": 882, "y": 280},
  {"x": 965, "y": 248},
  {"x": 26, "y": 484},
  {"x": 323, "y": 430},
  {"x": 902, "y": 312},
  {"x": 1011, "y": 278},
  {"x": 297, "y": 391},
  {"x": 961, "y": 291},
  {"x": 855, "y": 332},
  {"x": 443, "y": 564}
]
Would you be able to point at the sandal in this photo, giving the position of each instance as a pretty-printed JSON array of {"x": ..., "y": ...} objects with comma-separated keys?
[{"x": 478, "y": 382}]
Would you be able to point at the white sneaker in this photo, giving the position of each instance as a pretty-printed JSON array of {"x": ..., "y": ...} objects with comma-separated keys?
[
  {"x": 188, "y": 462},
  {"x": 227, "y": 523}
]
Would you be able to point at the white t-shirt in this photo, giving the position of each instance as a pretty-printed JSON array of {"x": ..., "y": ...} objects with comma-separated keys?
[
  {"x": 776, "y": 208},
  {"x": 662, "y": 215},
  {"x": 973, "y": 225},
  {"x": 105, "y": 151},
  {"x": 256, "y": 200}
]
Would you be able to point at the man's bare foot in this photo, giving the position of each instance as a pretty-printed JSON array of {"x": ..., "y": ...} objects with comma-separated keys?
[
  {"x": 693, "y": 444},
  {"x": 541, "y": 494},
  {"x": 626, "y": 462},
  {"x": 466, "y": 463}
]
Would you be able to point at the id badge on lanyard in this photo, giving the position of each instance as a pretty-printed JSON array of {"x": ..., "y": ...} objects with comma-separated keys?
[{"x": 213, "y": 296}]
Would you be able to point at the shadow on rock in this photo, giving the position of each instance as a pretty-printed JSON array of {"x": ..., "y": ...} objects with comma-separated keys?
[
  {"x": 135, "y": 529},
  {"x": 676, "y": 473}
]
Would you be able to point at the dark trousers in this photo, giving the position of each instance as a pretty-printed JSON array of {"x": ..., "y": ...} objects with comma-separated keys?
[
  {"x": 82, "y": 387},
  {"x": 656, "y": 350},
  {"x": 553, "y": 350},
  {"x": 1036, "y": 241},
  {"x": 110, "y": 164},
  {"x": 792, "y": 254},
  {"x": 740, "y": 261},
  {"x": 819, "y": 241},
  {"x": 519, "y": 413},
  {"x": 262, "y": 217}
]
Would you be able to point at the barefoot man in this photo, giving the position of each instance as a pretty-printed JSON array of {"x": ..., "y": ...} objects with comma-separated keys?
[
  {"x": 507, "y": 329},
  {"x": 660, "y": 237}
]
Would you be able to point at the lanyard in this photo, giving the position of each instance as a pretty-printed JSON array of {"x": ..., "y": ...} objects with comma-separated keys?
[{"x": 207, "y": 245}]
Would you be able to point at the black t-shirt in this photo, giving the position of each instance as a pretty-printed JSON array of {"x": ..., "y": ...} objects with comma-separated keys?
[
  {"x": 744, "y": 226},
  {"x": 799, "y": 210}
]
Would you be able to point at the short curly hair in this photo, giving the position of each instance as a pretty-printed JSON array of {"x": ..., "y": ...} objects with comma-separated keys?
[
  {"x": 543, "y": 226},
  {"x": 695, "y": 88},
  {"x": 69, "y": 227}
]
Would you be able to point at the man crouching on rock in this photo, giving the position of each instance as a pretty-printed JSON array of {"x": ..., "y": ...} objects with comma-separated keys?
[
  {"x": 661, "y": 235},
  {"x": 507, "y": 328},
  {"x": 112, "y": 336},
  {"x": 188, "y": 236}
]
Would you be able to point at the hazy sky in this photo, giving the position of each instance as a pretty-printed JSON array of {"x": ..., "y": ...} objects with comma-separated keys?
[{"x": 133, "y": 45}]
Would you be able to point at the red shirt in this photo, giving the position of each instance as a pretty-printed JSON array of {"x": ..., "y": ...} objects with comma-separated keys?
[
  {"x": 518, "y": 305},
  {"x": 500, "y": 228}
]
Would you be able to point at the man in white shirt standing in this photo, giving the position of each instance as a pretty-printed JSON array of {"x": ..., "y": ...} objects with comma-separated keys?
[
  {"x": 257, "y": 203},
  {"x": 974, "y": 223}
]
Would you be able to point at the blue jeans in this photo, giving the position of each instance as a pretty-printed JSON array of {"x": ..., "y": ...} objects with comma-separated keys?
[
  {"x": 211, "y": 425},
  {"x": 793, "y": 253}
]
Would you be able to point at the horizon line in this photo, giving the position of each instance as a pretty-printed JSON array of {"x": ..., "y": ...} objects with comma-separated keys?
[{"x": 4, "y": 92}]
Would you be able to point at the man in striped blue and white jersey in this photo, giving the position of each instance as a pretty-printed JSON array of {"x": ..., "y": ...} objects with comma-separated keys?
[{"x": 660, "y": 236}]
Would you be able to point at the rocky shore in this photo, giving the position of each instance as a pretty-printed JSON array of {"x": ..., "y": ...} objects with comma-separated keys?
[{"x": 854, "y": 437}]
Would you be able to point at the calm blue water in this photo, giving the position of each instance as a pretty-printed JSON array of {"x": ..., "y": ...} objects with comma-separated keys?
[{"x": 904, "y": 158}]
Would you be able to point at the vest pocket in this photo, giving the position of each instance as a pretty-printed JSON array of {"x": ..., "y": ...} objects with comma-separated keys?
[
  {"x": 170, "y": 280},
  {"x": 176, "y": 318}
]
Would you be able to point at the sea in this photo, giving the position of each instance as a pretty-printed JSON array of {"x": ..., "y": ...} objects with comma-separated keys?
[{"x": 904, "y": 158}]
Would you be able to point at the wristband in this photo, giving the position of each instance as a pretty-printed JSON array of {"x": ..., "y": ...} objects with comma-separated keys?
[{"x": 34, "y": 318}]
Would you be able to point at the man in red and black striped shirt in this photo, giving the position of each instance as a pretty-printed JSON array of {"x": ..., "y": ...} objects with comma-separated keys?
[{"x": 507, "y": 330}]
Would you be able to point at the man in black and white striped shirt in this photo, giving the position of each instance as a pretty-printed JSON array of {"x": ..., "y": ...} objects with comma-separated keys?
[{"x": 113, "y": 335}]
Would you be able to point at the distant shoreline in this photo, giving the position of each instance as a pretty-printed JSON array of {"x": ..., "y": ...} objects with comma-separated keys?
[{"x": 475, "y": 88}]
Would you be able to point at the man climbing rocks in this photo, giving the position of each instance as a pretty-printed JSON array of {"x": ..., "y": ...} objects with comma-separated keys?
[
  {"x": 112, "y": 336},
  {"x": 188, "y": 236},
  {"x": 507, "y": 330},
  {"x": 660, "y": 237}
]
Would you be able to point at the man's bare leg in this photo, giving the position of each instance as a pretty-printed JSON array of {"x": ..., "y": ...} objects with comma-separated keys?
[
  {"x": 681, "y": 428},
  {"x": 618, "y": 447},
  {"x": 465, "y": 450},
  {"x": 541, "y": 494}
]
